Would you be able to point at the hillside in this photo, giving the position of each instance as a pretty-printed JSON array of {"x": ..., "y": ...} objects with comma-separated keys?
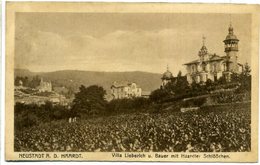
[{"x": 74, "y": 78}]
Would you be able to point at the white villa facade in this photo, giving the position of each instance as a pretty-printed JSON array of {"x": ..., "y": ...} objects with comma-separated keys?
[
  {"x": 213, "y": 66},
  {"x": 120, "y": 90}
]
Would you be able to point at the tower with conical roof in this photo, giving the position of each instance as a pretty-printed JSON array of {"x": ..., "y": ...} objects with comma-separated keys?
[{"x": 231, "y": 49}]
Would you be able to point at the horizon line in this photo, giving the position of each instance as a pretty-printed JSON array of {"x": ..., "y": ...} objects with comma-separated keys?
[{"x": 85, "y": 71}]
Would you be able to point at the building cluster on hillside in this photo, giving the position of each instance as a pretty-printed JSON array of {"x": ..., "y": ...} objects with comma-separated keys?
[
  {"x": 44, "y": 86},
  {"x": 39, "y": 95},
  {"x": 39, "y": 100},
  {"x": 211, "y": 66}
]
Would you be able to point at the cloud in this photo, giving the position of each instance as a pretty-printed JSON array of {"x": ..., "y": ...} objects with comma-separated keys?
[{"x": 116, "y": 51}]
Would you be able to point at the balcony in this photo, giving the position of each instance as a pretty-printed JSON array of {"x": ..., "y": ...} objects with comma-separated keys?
[{"x": 227, "y": 49}]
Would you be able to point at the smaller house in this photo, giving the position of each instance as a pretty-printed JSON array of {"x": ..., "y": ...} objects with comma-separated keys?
[{"x": 125, "y": 89}]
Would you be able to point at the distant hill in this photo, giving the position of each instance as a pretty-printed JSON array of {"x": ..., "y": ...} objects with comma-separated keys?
[
  {"x": 74, "y": 78},
  {"x": 23, "y": 73}
]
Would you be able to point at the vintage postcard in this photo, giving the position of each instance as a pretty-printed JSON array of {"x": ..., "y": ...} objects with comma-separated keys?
[{"x": 131, "y": 82}]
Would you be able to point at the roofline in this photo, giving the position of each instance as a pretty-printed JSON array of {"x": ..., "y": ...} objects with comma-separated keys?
[
  {"x": 190, "y": 63},
  {"x": 129, "y": 84},
  {"x": 204, "y": 61},
  {"x": 230, "y": 39}
]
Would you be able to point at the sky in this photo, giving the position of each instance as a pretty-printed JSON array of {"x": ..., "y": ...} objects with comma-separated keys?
[{"x": 123, "y": 41}]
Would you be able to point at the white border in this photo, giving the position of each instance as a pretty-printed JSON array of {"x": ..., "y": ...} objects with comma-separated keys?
[
  {"x": 2, "y": 71},
  {"x": 170, "y": 1}
]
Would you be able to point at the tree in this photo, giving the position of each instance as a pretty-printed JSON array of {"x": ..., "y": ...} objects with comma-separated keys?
[
  {"x": 17, "y": 80},
  {"x": 24, "y": 80},
  {"x": 159, "y": 95},
  {"x": 221, "y": 80},
  {"x": 48, "y": 108},
  {"x": 195, "y": 86},
  {"x": 209, "y": 83},
  {"x": 35, "y": 82},
  {"x": 245, "y": 79},
  {"x": 235, "y": 77},
  {"x": 182, "y": 84},
  {"x": 179, "y": 85},
  {"x": 179, "y": 74},
  {"x": 246, "y": 70},
  {"x": 89, "y": 101}
]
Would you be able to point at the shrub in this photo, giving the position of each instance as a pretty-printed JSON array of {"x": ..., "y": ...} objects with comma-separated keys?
[
  {"x": 127, "y": 105},
  {"x": 32, "y": 114}
]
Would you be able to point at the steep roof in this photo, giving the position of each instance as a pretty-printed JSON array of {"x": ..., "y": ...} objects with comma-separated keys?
[
  {"x": 192, "y": 62},
  {"x": 167, "y": 75},
  {"x": 118, "y": 84},
  {"x": 231, "y": 35},
  {"x": 213, "y": 57}
]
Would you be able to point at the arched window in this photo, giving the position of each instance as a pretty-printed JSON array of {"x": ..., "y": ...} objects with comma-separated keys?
[
  {"x": 192, "y": 68},
  {"x": 224, "y": 66},
  {"x": 203, "y": 66}
]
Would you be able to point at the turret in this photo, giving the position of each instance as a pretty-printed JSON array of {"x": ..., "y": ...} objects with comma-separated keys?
[
  {"x": 231, "y": 49},
  {"x": 203, "y": 53},
  {"x": 167, "y": 77},
  {"x": 231, "y": 41}
]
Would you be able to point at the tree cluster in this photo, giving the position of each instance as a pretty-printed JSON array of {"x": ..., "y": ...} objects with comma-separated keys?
[
  {"x": 244, "y": 79},
  {"x": 26, "y": 82},
  {"x": 120, "y": 106},
  {"x": 179, "y": 88},
  {"x": 89, "y": 101},
  {"x": 33, "y": 114}
]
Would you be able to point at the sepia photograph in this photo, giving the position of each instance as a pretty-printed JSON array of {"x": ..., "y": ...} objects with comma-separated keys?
[{"x": 151, "y": 85}]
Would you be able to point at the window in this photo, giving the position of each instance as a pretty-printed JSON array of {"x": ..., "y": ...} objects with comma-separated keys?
[
  {"x": 224, "y": 67},
  {"x": 214, "y": 67},
  {"x": 203, "y": 66},
  {"x": 193, "y": 79},
  {"x": 193, "y": 68},
  {"x": 215, "y": 77}
]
